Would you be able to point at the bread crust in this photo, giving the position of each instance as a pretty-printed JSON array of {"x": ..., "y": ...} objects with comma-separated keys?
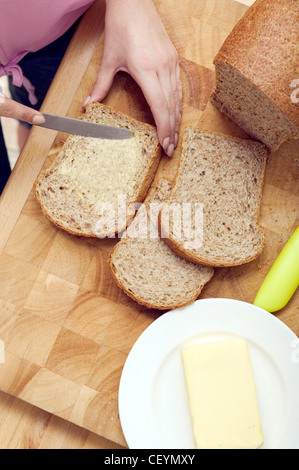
[
  {"x": 263, "y": 47},
  {"x": 180, "y": 251},
  {"x": 154, "y": 305},
  {"x": 140, "y": 192}
]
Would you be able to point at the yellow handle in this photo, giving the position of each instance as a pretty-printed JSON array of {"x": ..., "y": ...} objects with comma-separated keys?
[{"x": 283, "y": 278}]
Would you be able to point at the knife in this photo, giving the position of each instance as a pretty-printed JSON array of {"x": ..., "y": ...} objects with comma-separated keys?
[
  {"x": 84, "y": 128},
  {"x": 282, "y": 279}
]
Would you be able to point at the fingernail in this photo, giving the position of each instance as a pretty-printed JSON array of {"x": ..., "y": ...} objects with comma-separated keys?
[
  {"x": 165, "y": 144},
  {"x": 170, "y": 150},
  {"x": 86, "y": 102},
  {"x": 38, "y": 119},
  {"x": 176, "y": 139}
]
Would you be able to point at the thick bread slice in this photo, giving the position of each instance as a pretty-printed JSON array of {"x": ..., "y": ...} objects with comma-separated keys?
[
  {"x": 223, "y": 176},
  {"x": 147, "y": 269},
  {"x": 90, "y": 188}
]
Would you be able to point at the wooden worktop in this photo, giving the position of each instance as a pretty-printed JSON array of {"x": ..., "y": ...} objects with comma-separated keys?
[{"x": 35, "y": 256}]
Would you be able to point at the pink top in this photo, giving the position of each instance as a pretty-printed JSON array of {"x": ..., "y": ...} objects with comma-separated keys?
[{"x": 29, "y": 25}]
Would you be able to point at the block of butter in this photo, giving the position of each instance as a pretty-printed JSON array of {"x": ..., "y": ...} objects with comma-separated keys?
[{"x": 222, "y": 395}]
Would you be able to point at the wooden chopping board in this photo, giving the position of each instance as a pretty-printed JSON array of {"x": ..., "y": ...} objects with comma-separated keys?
[{"x": 67, "y": 328}]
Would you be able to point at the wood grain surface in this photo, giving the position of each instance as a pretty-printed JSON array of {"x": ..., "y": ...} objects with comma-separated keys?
[{"x": 67, "y": 328}]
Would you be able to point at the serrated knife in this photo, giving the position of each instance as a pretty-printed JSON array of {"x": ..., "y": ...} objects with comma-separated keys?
[{"x": 84, "y": 128}]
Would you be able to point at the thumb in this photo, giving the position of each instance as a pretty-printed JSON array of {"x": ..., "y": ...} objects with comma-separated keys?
[
  {"x": 102, "y": 85},
  {"x": 12, "y": 109}
]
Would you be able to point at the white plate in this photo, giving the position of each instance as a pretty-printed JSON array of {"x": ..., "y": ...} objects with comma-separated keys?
[{"x": 153, "y": 404}]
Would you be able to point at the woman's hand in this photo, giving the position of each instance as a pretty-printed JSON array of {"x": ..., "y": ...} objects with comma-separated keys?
[
  {"x": 136, "y": 42},
  {"x": 12, "y": 109}
]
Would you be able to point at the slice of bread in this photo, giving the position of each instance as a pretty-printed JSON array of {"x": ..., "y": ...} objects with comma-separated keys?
[
  {"x": 256, "y": 71},
  {"x": 221, "y": 176},
  {"x": 147, "y": 269},
  {"x": 90, "y": 188}
]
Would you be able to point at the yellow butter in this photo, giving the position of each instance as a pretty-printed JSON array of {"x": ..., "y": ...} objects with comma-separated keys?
[
  {"x": 222, "y": 395},
  {"x": 105, "y": 170}
]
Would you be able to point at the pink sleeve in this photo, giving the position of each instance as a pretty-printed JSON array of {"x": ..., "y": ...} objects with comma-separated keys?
[{"x": 27, "y": 26}]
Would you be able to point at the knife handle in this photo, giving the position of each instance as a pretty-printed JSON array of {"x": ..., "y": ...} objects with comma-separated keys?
[{"x": 282, "y": 279}]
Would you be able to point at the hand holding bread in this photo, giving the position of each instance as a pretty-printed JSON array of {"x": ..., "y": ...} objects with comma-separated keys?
[{"x": 136, "y": 42}]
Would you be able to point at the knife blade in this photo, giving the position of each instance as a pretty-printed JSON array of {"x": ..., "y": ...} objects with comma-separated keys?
[{"x": 84, "y": 128}]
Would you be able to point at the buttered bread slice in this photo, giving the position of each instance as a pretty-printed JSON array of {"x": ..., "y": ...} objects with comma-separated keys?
[{"x": 91, "y": 187}]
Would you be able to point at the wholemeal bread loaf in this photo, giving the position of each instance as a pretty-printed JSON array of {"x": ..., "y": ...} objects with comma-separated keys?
[
  {"x": 147, "y": 269},
  {"x": 222, "y": 176},
  {"x": 256, "y": 72},
  {"x": 90, "y": 188}
]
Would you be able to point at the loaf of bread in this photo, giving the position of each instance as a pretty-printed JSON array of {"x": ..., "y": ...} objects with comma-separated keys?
[
  {"x": 91, "y": 187},
  {"x": 256, "y": 72},
  {"x": 222, "y": 176},
  {"x": 146, "y": 268}
]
